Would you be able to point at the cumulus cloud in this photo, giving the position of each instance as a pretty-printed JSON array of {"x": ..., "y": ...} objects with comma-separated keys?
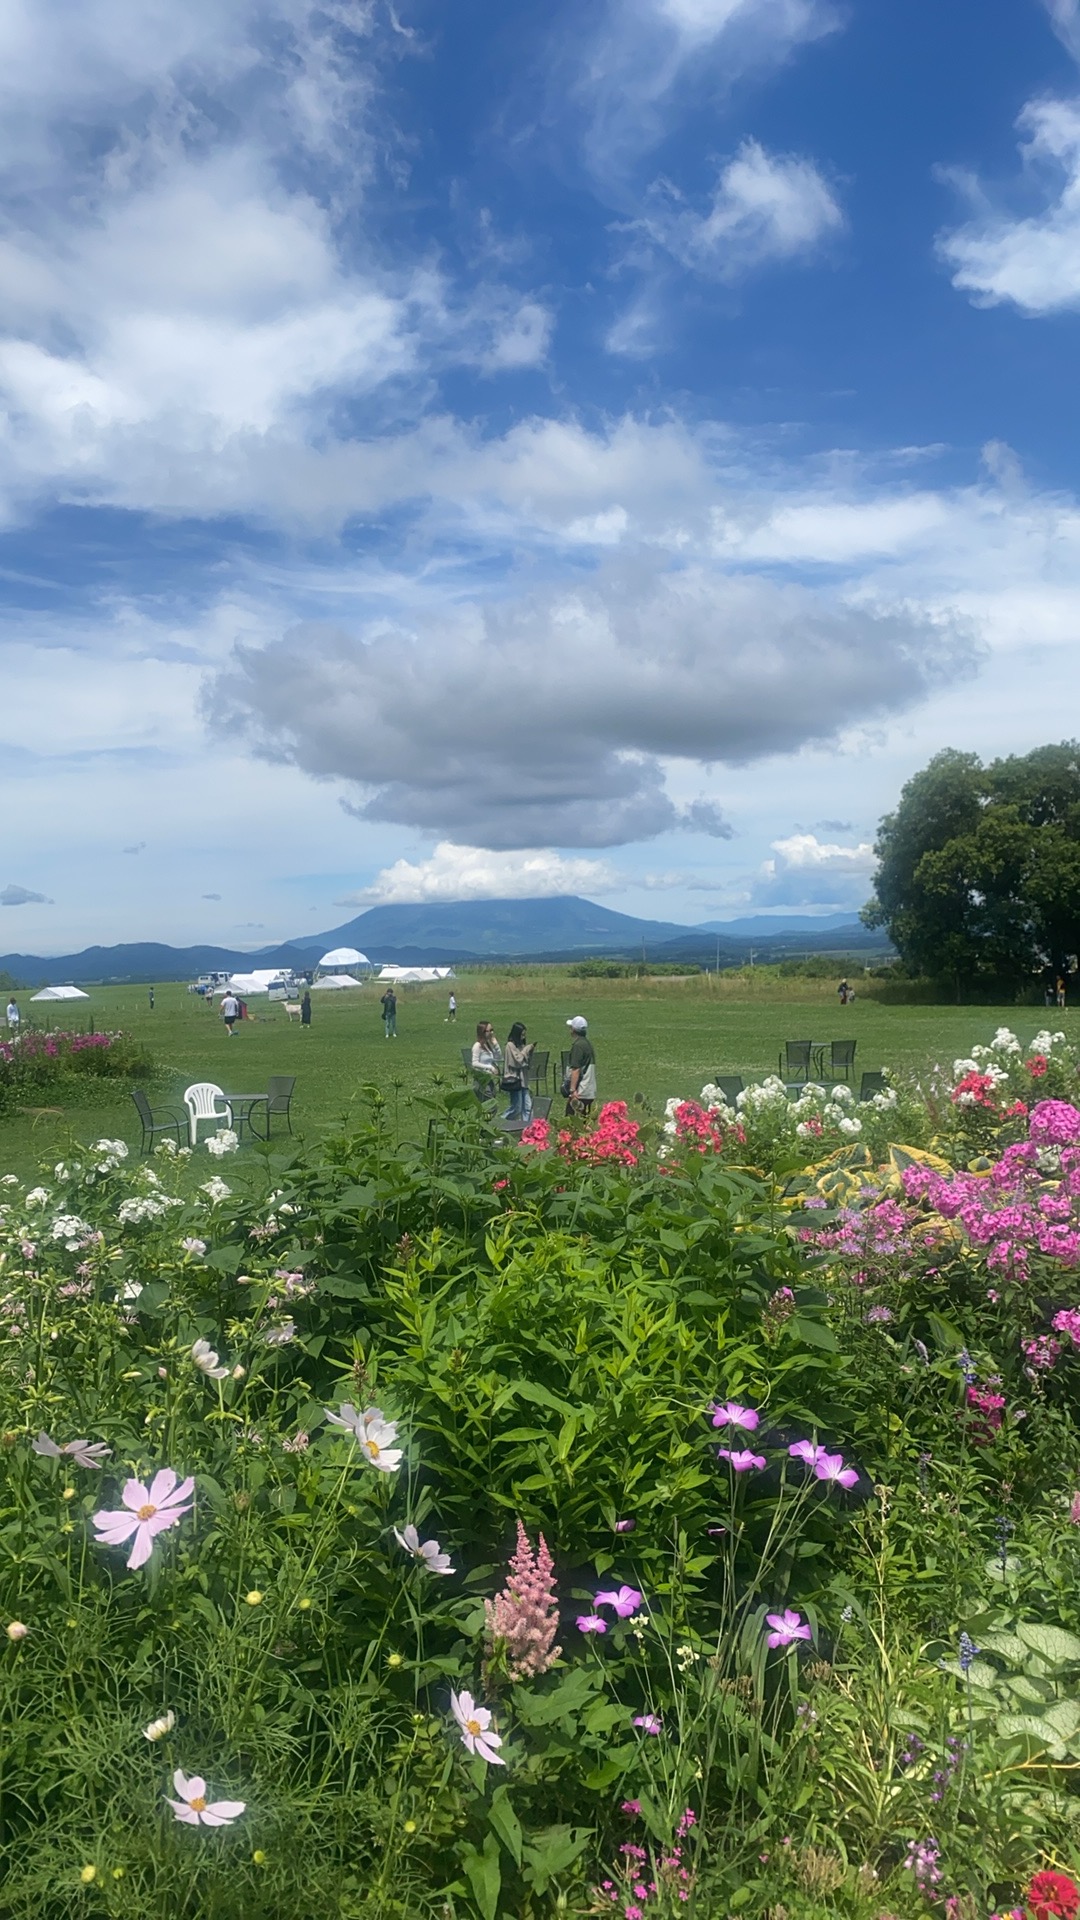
[
  {"x": 139, "y": 847},
  {"x": 1029, "y": 259},
  {"x": 807, "y": 872},
  {"x": 23, "y": 897},
  {"x": 545, "y": 720},
  {"x": 477, "y": 873},
  {"x": 764, "y": 208}
]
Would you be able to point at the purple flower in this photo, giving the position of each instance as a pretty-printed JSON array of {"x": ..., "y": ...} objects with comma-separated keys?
[
  {"x": 625, "y": 1526},
  {"x": 807, "y": 1451},
  {"x": 740, "y": 1462},
  {"x": 788, "y": 1627},
  {"x": 732, "y": 1415},
  {"x": 624, "y": 1603},
  {"x": 591, "y": 1623},
  {"x": 830, "y": 1467},
  {"x": 649, "y": 1722}
]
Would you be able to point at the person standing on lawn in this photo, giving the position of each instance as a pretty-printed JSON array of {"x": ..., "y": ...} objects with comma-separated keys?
[
  {"x": 451, "y": 1011},
  {"x": 230, "y": 1013},
  {"x": 305, "y": 1009},
  {"x": 13, "y": 1015},
  {"x": 581, "y": 1075},
  {"x": 388, "y": 1004},
  {"x": 515, "y": 1075},
  {"x": 486, "y": 1061}
]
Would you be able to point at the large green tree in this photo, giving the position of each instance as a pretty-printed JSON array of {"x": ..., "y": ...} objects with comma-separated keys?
[{"x": 978, "y": 879}]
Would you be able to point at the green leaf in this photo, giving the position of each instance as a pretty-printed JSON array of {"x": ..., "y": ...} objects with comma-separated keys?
[
  {"x": 540, "y": 1396},
  {"x": 551, "y": 1852},
  {"x": 484, "y": 1875},
  {"x": 225, "y": 1259},
  {"x": 1051, "y": 1643},
  {"x": 506, "y": 1823},
  {"x": 571, "y": 1694},
  {"x": 813, "y": 1334},
  {"x": 1009, "y": 1645}
]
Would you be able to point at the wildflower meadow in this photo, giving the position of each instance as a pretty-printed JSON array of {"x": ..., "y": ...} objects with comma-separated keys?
[{"x": 660, "y": 1515}]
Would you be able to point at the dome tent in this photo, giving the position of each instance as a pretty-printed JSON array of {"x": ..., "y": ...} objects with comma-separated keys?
[{"x": 339, "y": 957}]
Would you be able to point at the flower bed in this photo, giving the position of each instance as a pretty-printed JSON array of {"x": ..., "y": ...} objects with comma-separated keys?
[
  {"x": 597, "y": 1525},
  {"x": 56, "y": 1064}
]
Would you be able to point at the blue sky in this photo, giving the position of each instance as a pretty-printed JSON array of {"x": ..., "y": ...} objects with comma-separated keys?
[{"x": 496, "y": 450}]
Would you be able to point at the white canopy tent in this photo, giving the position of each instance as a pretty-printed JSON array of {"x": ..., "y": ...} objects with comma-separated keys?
[
  {"x": 415, "y": 976},
  {"x": 333, "y": 983},
  {"x": 339, "y": 957},
  {"x": 60, "y": 993},
  {"x": 260, "y": 981}
]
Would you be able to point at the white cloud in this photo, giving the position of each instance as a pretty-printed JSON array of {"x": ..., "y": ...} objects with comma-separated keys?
[
  {"x": 14, "y": 896},
  {"x": 765, "y": 208},
  {"x": 520, "y": 341},
  {"x": 476, "y": 873},
  {"x": 806, "y": 871},
  {"x": 1029, "y": 259}
]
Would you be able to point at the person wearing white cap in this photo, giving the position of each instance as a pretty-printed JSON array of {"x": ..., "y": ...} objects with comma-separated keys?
[{"x": 581, "y": 1075}]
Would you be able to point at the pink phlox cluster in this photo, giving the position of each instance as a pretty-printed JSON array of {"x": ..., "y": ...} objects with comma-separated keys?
[
  {"x": 614, "y": 1137},
  {"x": 524, "y": 1616},
  {"x": 975, "y": 1090},
  {"x": 703, "y": 1130},
  {"x": 986, "y": 1411},
  {"x": 1054, "y": 1123},
  {"x": 1041, "y": 1353},
  {"x": 537, "y": 1134},
  {"x": 643, "y": 1884},
  {"x": 1068, "y": 1323}
]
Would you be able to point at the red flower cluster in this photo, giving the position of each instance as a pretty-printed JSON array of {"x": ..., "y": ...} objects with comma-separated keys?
[
  {"x": 704, "y": 1131},
  {"x": 1053, "y": 1896},
  {"x": 986, "y": 1411},
  {"x": 1037, "y": 1065},
  {"x": 979, "y": 1089},
  {"x": 614, "y": 1137}
]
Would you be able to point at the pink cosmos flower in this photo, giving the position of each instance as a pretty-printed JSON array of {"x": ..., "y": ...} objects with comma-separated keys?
[
  {"x": 194, "y": 1809},
  {"x": 145, "y": 1513},
  {"x": 475, "y": 1724},
  {"x": 624, "y": 1603},
  {"x": 788, "y": 1627},
  {"x": 591, "y": 1623},
  {"x": 732, "y": 1415},
  {"x": 830, "y": 1467},
  {"x": 85, "y": 1453},
  {"x": 740, "y": 1462},
  {"x": 649, "y": 1722}
]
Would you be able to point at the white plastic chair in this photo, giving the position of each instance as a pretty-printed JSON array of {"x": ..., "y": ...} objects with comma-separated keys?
[{"x": 200, "y": 1101}]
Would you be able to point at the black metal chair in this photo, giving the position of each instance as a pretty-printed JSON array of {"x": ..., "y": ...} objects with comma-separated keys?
[
  {"x": 279, "y": 1093},
  {"x": 151, "y": 1122},
  {"x": 538, "y": 1069},
  {"x": 466, "y": 1057},
  {"x": 841, "y": 1064},
  {"x": 730, "y": 1085},
  {"x": 541, "y": 1108},
  {"x": 870, "y": 1084},
  {"x": 795, "y": 1060}
]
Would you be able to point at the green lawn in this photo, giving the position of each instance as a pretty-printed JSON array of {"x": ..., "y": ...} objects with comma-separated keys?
[{"x": 656, "y": 1038}]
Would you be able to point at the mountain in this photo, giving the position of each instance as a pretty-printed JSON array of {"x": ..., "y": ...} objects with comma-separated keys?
[
  {"x": 764, "y": 925},
  {"x": 448, "y": 932},
  {"x": 504, "y": 928}
]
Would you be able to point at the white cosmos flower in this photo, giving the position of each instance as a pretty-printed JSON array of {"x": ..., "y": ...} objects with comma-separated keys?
[
  {"x": 85, "y": 1453},
  {"x": 373, "y": 1433},
  {"x": 475, "y": 1724},
  {"x": 195, "y": 1810},
  {"x": 427, "y": 1552},
  {"x": 207, "y": 1361},
  {"x": 159, "y": 1728}
]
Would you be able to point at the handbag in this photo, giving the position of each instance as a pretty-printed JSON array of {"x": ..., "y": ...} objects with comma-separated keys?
[
  {"x": 508, "y": 1084},
  {"x": 564, "y": 1085}
]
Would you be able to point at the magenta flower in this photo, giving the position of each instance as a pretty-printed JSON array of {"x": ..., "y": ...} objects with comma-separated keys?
[
  {"x": 788, "y": 1627},
  {"x": 624, "y": 1603},
  {"x": 830, "y": 1467},
  {"x": 625, "y": 1526},
  {"x": 807, "y": 1451},
  {"x": 649, "y": 1722},
  {"x": 145, "y": 1513},
  {"x": 591, "y": 1623},
  {"x": 740, "y": 1462},
  {"x": 732, "y": 1415}
]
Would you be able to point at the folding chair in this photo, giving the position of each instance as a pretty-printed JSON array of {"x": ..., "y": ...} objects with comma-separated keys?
[
  {"x": 795, "y": 1060},
  {"x": 730, "y": 1085},
  {"x": 870, "y": 1084}
]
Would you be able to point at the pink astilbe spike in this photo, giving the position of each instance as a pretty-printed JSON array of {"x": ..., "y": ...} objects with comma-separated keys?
[{"x": 523, "y": 1618}]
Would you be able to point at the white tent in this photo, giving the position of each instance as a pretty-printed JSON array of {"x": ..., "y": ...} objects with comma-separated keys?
[
  {"x": 60, "y": 993},
  {"x": 344, "y": 957},
  {"x": 259, "y": 981},
  {"x": 415, "y": 976},
  {"x": 333, "y": 983}
]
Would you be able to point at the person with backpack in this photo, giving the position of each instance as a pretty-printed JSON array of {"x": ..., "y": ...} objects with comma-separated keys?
[
  {"x": 388, "y": 1004},
  {"x": 579, "y": 1085}
]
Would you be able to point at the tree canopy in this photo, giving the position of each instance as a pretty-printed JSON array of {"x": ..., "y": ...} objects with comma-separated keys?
[{"x": 979, "y": 867}]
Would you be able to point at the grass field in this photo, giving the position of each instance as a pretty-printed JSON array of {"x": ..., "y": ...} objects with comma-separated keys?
[{"x": 657, "y": 1038}]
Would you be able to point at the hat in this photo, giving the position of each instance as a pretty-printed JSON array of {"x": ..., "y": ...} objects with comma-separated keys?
[{"x": 579, "y": 1024}]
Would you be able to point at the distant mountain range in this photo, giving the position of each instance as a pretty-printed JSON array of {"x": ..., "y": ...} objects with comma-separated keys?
[{"x": 457, "y": 932}]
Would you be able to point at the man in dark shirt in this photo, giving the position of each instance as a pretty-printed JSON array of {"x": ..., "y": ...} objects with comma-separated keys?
[
  {"x": 582, "y": 1067},
  {"x": 389, "y": 1013}
]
